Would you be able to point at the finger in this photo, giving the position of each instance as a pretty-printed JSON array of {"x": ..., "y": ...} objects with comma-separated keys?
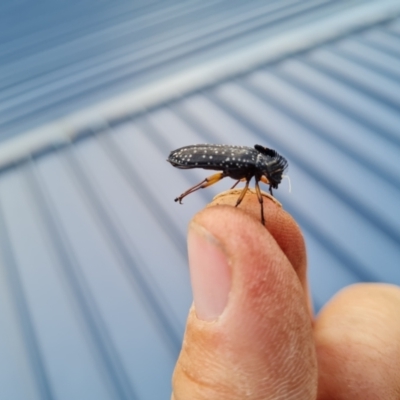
[
  {"x": 281, "y": 226},
  {"x": 249, "y": 334},
  {"x": 358, "y": 344}
]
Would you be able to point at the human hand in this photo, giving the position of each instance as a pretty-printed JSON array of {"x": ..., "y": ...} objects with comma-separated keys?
[{"x": 251, "y": 334}]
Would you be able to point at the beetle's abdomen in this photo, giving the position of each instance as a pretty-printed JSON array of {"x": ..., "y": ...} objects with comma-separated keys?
[{"x": 212, "y": 156}]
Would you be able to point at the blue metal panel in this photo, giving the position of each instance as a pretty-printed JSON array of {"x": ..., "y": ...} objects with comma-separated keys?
[
  {"x": 71, "y": 54},
  {"x": 66, "y": 358},
  {"x": 94, "y": 286}
]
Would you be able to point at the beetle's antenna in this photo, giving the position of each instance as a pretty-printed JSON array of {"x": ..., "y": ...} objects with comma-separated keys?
[{"x": 290, "y": 184}]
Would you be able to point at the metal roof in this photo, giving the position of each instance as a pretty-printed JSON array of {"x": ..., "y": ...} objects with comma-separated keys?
[
  {"x": 56, "y": 58},
  {"x": 94, "y": 284}
]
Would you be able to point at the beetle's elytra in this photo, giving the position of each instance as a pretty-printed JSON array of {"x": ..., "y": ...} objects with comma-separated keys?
[{"x": 238, "y": 162}]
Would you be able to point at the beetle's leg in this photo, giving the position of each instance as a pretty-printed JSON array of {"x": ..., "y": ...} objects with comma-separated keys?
[
  {"x": 263, "y": 179},
  {"x": 260, "y": 200},
  {"x": 235, "y": 184},
  {"x": 203, "y": 184},
  {"x": 239, "y": 200}
]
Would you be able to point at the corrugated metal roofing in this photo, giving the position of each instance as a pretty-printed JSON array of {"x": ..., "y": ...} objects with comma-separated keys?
[
  {"x": 58, "y": 57},
  {"x": 93, "y": 275}
]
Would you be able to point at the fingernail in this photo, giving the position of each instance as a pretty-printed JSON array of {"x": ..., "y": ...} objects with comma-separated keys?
[{"x": 210, "y": 273}]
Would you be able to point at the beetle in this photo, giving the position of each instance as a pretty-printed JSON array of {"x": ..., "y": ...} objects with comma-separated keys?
[{"x": 241, "y": 163}]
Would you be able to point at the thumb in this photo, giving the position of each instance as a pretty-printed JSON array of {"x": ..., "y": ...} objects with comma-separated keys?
[{"x": 248, "y": 335}]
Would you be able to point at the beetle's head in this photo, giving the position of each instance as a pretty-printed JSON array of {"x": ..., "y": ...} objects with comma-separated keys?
[
  {"x": 271, "y": 164},
  {"x": 275, "y": 169}
]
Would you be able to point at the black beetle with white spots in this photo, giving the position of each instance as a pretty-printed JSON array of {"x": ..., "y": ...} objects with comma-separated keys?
[{"x": 238, "y": 162}]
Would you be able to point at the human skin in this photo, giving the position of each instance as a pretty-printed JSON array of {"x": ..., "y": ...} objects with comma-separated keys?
[{"x": 251, "y": 333}]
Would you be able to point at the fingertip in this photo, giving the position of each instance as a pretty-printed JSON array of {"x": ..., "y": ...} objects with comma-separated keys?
[{"x": 280, "y": 224}]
